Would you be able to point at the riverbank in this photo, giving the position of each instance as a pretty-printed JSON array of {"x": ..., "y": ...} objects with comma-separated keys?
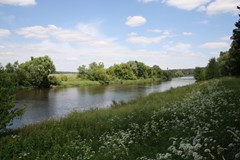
[
  {"x": 200, "y": 121},
  {"x": 71, "y": 80}
]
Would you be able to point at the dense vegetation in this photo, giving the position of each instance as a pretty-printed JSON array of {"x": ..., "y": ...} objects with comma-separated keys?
[
  {"x": 228, "y": 63},
  {"x": 200, "y": 121},
  {"x": 132, "y": 70},
  {"x": 7, "y": 100},
  {"x": 33, "y": 73}
]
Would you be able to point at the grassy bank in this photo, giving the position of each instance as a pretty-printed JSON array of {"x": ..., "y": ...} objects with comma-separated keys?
[
  {"x": 71, "y": 80},
  {"x": 200, "y": 121}
]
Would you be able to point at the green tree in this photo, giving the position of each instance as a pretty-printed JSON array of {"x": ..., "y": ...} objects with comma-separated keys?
[
  {"x": 82, "y": 72},
  {"x": 199, "y": 74},
  {"x": 121, "y": 71},
  {"x": 222, "y": 62},
  {"x": 178, "y": 74},
  {"x": 96, "y": 72},
  {"x": 212, "y": 69},
  {"x": 35, "y": 72},
  {"x": 157, "y": 72},
  {"x": 234, "y": 51},
  {"x": 7, "y": 101}
]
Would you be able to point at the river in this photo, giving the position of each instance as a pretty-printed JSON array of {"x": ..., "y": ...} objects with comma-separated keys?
[{"x": 43, "y": 104}]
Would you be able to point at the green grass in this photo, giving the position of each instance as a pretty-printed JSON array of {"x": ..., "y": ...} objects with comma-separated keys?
[{"x": 200, "y": 121}]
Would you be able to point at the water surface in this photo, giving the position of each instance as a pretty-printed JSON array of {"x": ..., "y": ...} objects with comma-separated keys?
[{"x": 43, "y": 104}]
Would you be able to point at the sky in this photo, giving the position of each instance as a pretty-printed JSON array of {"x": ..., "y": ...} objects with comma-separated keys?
[{"x": 172, "y": 34}]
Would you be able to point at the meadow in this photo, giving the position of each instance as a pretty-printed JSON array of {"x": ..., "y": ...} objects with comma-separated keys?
[{"x": 195, "y": 122}]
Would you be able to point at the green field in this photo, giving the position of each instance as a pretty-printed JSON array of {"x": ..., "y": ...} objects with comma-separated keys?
[{"x": 200, "y": 121}]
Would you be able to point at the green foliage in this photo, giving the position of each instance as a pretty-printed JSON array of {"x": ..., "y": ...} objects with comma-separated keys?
[
  {"x": 234, "y": 51},
  {"x": 132, "y": 70},
  {"x": 223, "y": 63},
  {"x": 35, "y": 72},
  {"x": 212, "y": 69},
  {"x": 63, "y": 78},
  {"x": 7, "y": 100},
  {"x": 199, "y": 74},
  {"x": 178, "y": 74},
  {"x": 121, "y": 71},
  {"x": 53, "y": 80}
]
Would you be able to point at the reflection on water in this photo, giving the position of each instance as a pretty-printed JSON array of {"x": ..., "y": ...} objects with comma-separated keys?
[{"x": 51, "y": 103}]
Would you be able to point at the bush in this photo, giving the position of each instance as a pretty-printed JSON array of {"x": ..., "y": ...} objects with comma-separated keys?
[{"x": 54, "y": 80}]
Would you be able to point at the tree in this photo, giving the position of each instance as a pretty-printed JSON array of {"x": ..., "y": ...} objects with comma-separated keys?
[
  {"x": 234, "y": 51},
  {"x": 96, "y": 72},
  {"x": 199, "y": 74},
  {"x": 121, "y": 71},
  {"x": 178, "y": 74},
  {"x": 212, "y": 69},
  {"x": 7, "y": 101},
  {"x": 35, "y": 72},
  {"x": 222, "y": 63}
]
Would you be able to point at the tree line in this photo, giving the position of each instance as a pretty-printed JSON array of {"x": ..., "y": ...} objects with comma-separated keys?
[
  {"x": 228, "y": 62},
  {"x": 132, "y": 70}
]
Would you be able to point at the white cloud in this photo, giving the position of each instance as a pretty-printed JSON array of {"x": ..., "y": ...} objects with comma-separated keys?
[
  {"x": 4, "y": 32},
  {"x": 83, "y": 34},
  {"x": 225, "y": 38},
  {"x": 135, "y": 21},
  {"x": 222, "y": 6},
  {"x": 208, "y": 6},
  {"x": 186, "y": 4},
  {"x": 155, "y": 30},
  {"x": 144, "y": 40},
  {"x": 38, "y": 32},
  {"x": 19, "y": 2},
  {"x": 215, "y": 45},
  {"x": 187, "y": 33},
  {"x": 147, "y": 1}
]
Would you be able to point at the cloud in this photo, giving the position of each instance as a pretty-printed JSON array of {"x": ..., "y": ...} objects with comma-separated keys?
[
  {"x": 225, "y": 38},
  {"x": 147, "y": 1},
  {"x": 155, "y": 30},
  {"x": 83, "y": 34},
  {"x": 38, "y": 32},
  {"x": 135, "y": 21},
  {"x": 4, "y": 32},
  {"x": 18, "y": 2},
  {"x": 186, "y": 4},
  {"x": 215, "y": 45},
  {"x": 222, "y": 6},
  {"x": 187, "y": 33},
  {"x": 144, "y": 40},
  {"x": 209, "y": 6}
]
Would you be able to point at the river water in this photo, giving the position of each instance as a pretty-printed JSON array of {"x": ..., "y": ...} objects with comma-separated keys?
[{"x": 43, "y": 104}]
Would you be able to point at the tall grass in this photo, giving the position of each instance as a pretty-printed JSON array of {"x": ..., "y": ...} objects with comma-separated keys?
[{"x": 200, "y": 121}]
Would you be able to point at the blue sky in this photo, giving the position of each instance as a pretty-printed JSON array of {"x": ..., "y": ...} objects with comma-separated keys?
[{"x": 169, "y": 33}]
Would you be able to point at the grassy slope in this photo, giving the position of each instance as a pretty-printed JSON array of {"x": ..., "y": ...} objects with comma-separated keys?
[{"x": 192, "y": 122}]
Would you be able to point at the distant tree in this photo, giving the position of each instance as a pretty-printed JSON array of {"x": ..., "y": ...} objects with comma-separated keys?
[
  {"x": 35, "y": 72},
  {"x": 96, "y": 72},
  {"x": 199, "y": 74},
  {"x": 7, "y": 101},
  {"x": 178, "y": 74},
  {"x": 121, "y": 71},
  {"x": 212, "y": 69},
  {"x": 234, "y": 51},
  {"x": 82, "y": 72},
  {"x": 157, "y": 72}
]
